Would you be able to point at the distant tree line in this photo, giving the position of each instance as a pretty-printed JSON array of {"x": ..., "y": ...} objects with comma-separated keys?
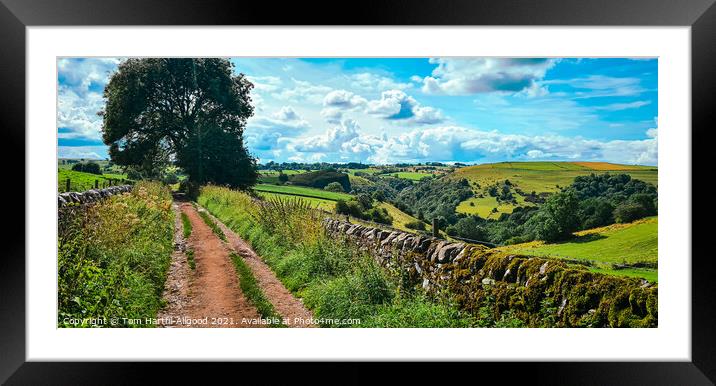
[{"x": 87, "y": 167}]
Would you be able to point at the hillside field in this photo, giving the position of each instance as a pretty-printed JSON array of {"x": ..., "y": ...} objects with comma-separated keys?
[
  {"x": 294, "y": 190},
  {"x": 81, "y": 181},
  {"x": 633, "y": 243},
  {"x": 538, "y": 177}
]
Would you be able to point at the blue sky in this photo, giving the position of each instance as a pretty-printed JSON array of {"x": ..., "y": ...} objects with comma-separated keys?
[{"x": 387, "y": 110}]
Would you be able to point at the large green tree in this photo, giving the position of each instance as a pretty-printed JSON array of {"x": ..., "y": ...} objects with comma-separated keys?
[{"x": 191, "y": 112}]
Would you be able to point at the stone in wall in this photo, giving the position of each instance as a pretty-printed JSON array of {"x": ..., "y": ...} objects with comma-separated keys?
[{"x": 90, "y": 196}]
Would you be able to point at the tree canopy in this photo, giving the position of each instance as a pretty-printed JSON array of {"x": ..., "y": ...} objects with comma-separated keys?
[{"x": 190, "y": 112}]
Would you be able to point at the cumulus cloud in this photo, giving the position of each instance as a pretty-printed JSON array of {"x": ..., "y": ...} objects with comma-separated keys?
[
  {"x": 343, "y": 99},
  {"x": 332, "y": 140},
  {"x": 456, "y": 143},
  {"x": 271, "y": 132},
  {"x": 397, "y": 105},
  {"x": 461, "y": 76}
]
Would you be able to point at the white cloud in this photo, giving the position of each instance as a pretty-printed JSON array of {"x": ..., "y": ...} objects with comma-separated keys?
[
  {"x": 456, "y": 143},
  {"x": 397, "y": 105},
  {"x": 264, "y": 133},
  {"x": 78, "y": 114},
  {"x": 343, "y": 99},
  {"x": 601, "y": 86},
  {"x": 303, "y": 91},
  {"x": 374, "y": 82},
  {"x": 265, "y": 83},
  {"x": 332, "y": 140},
  {"x": 86, "y": 152},
  {"x": 460, "y": 76}
]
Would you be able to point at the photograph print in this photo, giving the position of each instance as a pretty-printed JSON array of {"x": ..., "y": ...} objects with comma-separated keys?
[{"x": 471, "y": 192}]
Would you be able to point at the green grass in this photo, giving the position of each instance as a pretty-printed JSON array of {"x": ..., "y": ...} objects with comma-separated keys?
[
  {"x": 210, "y": 222},
  {"x": 616, "y": 244},
  {"x": 190, "y": 259},
  {"x": 413, "y": 176},
  {"x": 327, "y": 205},
  {"x": 400, "y": 218},
  {"x": 252, "y": 291},
  {"x": 545, "y": 176},
  {"x": 302, "y": 191},
  {"x": 81, "y": 181},
  {"x": 186, "y": 225},
  {"x": 113, "y": 257}
]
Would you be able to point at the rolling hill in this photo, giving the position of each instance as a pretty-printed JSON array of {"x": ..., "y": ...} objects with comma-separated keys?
[{"x": 538, "y": 177}]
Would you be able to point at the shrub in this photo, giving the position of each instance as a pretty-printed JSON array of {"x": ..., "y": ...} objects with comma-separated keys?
[
  {"x": 89, "y": 167},
  {"x": 334, "y": 187},
  {"x": 417, "y": 225}
]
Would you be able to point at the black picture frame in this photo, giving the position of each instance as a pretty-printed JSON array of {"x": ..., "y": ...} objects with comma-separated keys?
[{"x": 16, "y": 15}]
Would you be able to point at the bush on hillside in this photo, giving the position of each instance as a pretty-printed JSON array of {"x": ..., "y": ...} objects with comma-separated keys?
[
  {"x": 89, "y": 167},
  {"x": 334, "y": 187},
  {"x": 320, "y": 179}
]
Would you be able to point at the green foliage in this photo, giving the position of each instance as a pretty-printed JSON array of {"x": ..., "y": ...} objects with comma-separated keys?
[
  {"x": 334, "y": 187},
  {"x": 186, "y": 225},
  {"x": 282, "y": 177},
  {"x": 321, "y": 178},
  {"x": 89, "y": 167},
  {"x": 435, "y": 198},
  {"x": 187, "y": 110},
  {"x": 250, "y": 288},
  {"x": 210, "y": 222},
  {"x": 362, "y": 207},
  {"x": 417, "y": 225},
  {"x": 190, "y": 259},
  {"x": 113, "y": 256}
]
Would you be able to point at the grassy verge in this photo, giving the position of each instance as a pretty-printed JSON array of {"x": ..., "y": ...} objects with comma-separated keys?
[
  {"x": 186, "y": 225},
  {"x": 190, "y": 259},
  {"x": 113, "y": 258},
  {"x": 210, "y": 222},
  {"x": 252, "y": 291},
  {"x": 335, "y": 280}
]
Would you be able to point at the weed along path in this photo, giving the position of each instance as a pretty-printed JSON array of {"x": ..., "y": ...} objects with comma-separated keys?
[
  {"x": 213, "y": 297},
  {"x": 216, "y": 280}
]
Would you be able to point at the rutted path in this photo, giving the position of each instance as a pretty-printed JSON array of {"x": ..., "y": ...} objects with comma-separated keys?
[
  {"x": 213, "y": 293},
  {"x": 212, "y": 289},
  {"x": 288, "y": 306}
]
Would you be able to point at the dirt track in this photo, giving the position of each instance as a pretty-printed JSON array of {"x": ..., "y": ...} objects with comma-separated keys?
[{"x": 209, "y": 295}]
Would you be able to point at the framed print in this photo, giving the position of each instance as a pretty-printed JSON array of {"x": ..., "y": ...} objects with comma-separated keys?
[{"x": 483, "y": 183}]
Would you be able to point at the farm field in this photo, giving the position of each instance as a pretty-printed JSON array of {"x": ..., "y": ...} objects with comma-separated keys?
[
  {"x": 535, "y": 177},
  {"x": 294, "y": 190},
  {"x": 319, "y": 203},
  {"x": 81, "y": 181},
  {"x": 633, "y": 243},
  {"x": 413, "y": 176}
]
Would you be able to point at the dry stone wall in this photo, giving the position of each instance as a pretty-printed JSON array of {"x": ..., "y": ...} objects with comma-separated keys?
[
  {"x": 90, "y": 196},
  {"x": 540, "y": 292}
]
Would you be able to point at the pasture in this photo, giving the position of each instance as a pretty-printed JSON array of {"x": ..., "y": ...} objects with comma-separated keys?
[
  {"x": 536, "y": 177},
  {"x": 618, "y": 244},
  {"x": 294, "y": 190}
]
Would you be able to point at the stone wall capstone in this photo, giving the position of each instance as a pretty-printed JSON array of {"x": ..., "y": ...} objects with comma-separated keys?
[{"x": 90, "y": 196}]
